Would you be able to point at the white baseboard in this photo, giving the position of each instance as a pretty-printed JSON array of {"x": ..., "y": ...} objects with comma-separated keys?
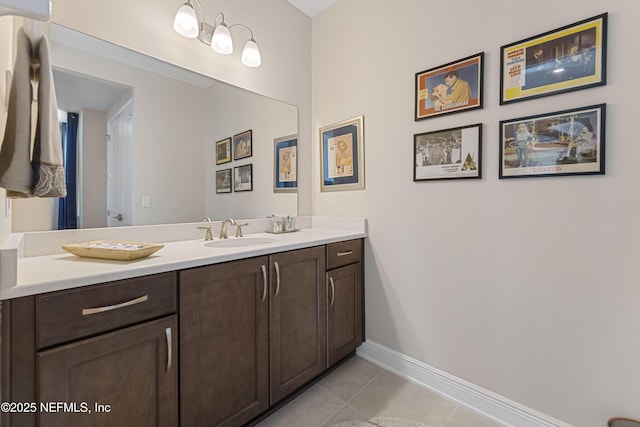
[{"x": 491, "y": 404}]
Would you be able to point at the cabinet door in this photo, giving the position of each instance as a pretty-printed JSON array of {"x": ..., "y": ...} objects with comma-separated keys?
[
  {"x": 132, "y": 373},
  {"x": 224, "y": 343},
  {"x": 297, "y": 319},
  {"x": 345, "y": 314}
]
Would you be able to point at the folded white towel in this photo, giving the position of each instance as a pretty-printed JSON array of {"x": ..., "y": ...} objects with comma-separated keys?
[
  {"x": 15, "y": 154},
  {"x": 47, "y": 161}
]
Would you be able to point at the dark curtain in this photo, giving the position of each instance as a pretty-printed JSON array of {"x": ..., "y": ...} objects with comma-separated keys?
[{"x": 67, "y": 206}]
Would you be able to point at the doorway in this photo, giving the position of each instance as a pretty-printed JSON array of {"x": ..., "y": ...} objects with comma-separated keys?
[{"x": 119, "y": 148}]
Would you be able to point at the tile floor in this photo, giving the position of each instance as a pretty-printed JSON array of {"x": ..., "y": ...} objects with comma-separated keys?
[{"x": 359, "y": 390}]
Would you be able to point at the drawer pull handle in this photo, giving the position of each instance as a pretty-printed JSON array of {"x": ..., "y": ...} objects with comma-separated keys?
[
  {"x": 344, "y": 253},
  {"x": 333, "y": 291},
  {"x": 167, "y": 333},
  {"x": 96, "y": 310},
  {"x": 264, "y": 282},
  {"x": 277, "y": 278}
]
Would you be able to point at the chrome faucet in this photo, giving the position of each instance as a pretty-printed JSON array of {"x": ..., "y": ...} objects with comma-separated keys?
[{"x": 223, "y": 229}]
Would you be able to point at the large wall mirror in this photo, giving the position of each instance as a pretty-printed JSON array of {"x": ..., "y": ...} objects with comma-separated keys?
[{"x": 147, "y": 134}]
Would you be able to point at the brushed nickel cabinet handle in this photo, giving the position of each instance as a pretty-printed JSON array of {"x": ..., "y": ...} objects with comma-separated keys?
[
  {"x": 333, "y": 291},
  {"x": 264, "y": 282},
  {"x": 275, "y": 264},
  {"x": 167, "y": 333},
  {"x": 96, "y": 310},
  {"x": 344, "y": 253}
]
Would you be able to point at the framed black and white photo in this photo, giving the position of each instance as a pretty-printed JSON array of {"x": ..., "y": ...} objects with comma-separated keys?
[
  {"x": 448, "y": 153},
  {"x": 223, "y": 181},
  {"x": 569, "y": 142},
  {"x": 243, "y": 178}
]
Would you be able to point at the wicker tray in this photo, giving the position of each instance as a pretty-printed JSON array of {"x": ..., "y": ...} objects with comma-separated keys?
[{"x": 111, "y": 249}]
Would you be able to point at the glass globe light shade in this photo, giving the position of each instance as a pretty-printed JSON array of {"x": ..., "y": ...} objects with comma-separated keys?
[
  {"x": 186, "y": 21},
  {"x": 251, "y": 54},
  {"x": 221, "y": 41}
]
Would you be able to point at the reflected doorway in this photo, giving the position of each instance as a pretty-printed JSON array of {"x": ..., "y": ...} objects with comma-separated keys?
[{"x": 119, "y": 143}]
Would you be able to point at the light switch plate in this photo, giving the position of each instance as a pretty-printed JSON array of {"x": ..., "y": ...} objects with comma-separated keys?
[{"x": 146, "y": 201}]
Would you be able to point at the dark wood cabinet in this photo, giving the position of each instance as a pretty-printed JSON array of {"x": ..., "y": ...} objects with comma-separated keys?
[
  {"x": 113, "y": 345},
  {"x": 224, "y": 343},
  {"x": 77, "y": 313},
  {"x": 345, "y": 329},
  {"x": 251, "y": 332},
  {"x": 297, "y": 323},
  {"x": 127, "y": 377},
  {"x": 345, "y": 312}
]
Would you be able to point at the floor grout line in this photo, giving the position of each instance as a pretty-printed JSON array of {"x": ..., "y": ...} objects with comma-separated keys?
[
  {"x": 326, "y": 420},
  {"x": 365, "y": 386},
  {"x": 346, "y": 402},
  {"x": 342, "y": 409}
]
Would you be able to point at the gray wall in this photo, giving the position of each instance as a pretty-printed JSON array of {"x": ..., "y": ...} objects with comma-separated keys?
[{"x": 524, "y": 287}]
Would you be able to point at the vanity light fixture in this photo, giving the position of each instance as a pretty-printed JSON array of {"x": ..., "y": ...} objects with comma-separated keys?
[{"x": 217, "y": 36}]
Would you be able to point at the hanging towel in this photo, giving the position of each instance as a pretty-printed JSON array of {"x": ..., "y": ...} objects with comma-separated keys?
[
  {"x": 47, "y": 161},
  {"x": 15, "y": 153},
  {"x": 32, "y": 166}
]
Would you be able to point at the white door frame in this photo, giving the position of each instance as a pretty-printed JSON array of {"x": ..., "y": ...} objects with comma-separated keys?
[{"x": 119, "y": 153}]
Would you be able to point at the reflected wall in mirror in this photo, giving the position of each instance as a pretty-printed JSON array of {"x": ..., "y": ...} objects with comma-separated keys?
[{"x": 146, "y": 140}]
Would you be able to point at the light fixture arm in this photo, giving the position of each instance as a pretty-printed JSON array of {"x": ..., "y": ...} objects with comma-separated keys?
[
  {"x": 204, "y": 18},
  {"x": 206, "y": 29},
  {"x": 243, "y": 26},
  {"x": 219, "y": 15},
  {"x": 206, "y": 32},
  {"x": 251, "y": 53}
]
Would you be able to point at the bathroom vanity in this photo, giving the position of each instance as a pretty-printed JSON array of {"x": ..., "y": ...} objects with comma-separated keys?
[{"x": 212, "y": 336}]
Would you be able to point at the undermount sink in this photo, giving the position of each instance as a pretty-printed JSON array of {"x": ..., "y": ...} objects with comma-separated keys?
[{"x": 240, "y": 242}]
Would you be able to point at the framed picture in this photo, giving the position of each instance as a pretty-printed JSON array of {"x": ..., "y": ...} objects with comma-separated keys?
[
  {"x": 569, "y": 142},
  {"x": 223, "y": 181},
  {"x": 223, "y": 151},
  {"x": 242, "y": 145},
  {"x": 448, "y": 153},
  {"x": 286, "y": 164},
  {"x": 569, "y": 58},
  {"x": 450, "y": 88},
  {"x": 243, "y": 178},
  {"x": 341, "y": 151}
]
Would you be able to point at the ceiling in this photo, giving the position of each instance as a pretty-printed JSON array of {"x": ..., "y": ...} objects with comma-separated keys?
[
  {"x": 312, "y": 7},
  {"x": 75, "y": 93}
]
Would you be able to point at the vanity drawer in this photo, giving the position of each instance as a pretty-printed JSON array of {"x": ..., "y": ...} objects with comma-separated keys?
[
  {"x": 78, "y": 313},
  {"x": 343, "y": 253}
]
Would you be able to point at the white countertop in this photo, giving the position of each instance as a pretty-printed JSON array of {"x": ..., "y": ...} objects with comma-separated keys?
[{"x": 62, "y": 270}]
